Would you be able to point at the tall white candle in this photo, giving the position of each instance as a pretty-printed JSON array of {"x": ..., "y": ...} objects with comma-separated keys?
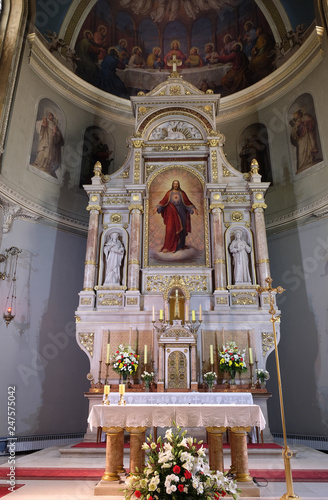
[
  {"x": 250, "y": 355},
  {"x": 200, "y": 312},
  {"x": 211, "y": 355},
  {"x": 145, "y": 355},
  {"x": 193, "y": 315},
  {"x": 153, "y": 313},
  {"x": 161, "y": 314},
  {"x": 121, "y": 389}
]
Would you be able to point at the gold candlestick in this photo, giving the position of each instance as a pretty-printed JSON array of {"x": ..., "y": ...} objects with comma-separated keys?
[
  {"x": 121, "y": 389},
  {"x": 99, "y": 374},
  {"x": 287, "y": 454},
  {"x": 106, "y": 394},
  {"x": 251, "y": 370}
]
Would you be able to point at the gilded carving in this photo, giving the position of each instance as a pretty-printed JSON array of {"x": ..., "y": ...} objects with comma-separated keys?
[
  {"x": 235, "y": 199},
  {"x": 137, "y": 161},
  {"x": 213, "y": 143},
  {"x": 115, "y": 218},
  {"x": 134, "y": 261},
  {"x": 176, "y": 281},
  {"x": 86, "y": 301},
  {"x": 214, "y": 161},
  {"x": 226, "y": 172},
  {"x": 94, "y": 207},
  {"x": 94, "y": 197},
  {"x": 132, "y": 301},
  {"x": 244, "y": 299},
  {"x": 222, "y": 300},
  {"x": 214, "y": 206},
  {"x": 219, "y": 261},
  {"x": 87, "y": 341},
  {"x": 175, "y": 147},
  {"x": 263, "y": 261},
  {"x": 78, "y": 319},
  {"x": 259, "y": 196},
  {"x": 136, "y": 207},
  {"x": 137, "y": 144},
  {"x": 237, "y": 216},
  {"x": 267, "y": 342},
  {"x": 125, "y": 174},
  {"x": 175, "y": 333},
  {"x": 160, "y": 283},
  {"x": 114, "y": 199},
  {"x": 90, "y": 262},
  {"x": 175, "y": 90},
  {"x": 259, "y": 205},
  {"x": 216, "y": 196},
  {"x": 113, "y": 299}
]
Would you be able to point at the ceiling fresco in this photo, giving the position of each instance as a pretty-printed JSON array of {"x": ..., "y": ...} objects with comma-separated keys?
[{"x": 127, "y": 46}]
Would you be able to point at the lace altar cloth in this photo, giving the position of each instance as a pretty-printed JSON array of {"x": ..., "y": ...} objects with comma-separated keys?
[
  {"x": 175, "y": 398},
  {"x": 190, "y": 415}
]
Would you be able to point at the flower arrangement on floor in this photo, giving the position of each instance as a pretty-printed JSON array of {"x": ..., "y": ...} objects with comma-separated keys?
[
  {"x": 125, "y": 361},
  {"x": 232, "y": 360},
  {"x": 177, "y": 469},
  {"x": 262, "y": 375},
  {"x": 210, "y": 377}
]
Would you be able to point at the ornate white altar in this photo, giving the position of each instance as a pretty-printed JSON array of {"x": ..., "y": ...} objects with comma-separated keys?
[{"x": 175, "y": 220}]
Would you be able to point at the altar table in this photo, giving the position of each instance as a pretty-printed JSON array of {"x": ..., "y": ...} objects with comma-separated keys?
[{"x": 114, "y": 419}]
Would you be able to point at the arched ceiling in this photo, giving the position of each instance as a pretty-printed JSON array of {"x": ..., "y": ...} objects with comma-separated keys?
[{"x": 83, "y": 32}]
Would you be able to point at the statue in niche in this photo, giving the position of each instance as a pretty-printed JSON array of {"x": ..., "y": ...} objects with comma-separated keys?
[
  {"x": 240, "y": 250},
  {"x": 48, "y": 154},
  {"x": 114, "y": 252}
]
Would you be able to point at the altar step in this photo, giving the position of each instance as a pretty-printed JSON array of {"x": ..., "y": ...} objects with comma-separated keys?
[{"x": 92, "y": 450}]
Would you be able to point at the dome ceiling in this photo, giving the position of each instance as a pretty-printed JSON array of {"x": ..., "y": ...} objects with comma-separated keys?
[{"x": 127, "y": 46}]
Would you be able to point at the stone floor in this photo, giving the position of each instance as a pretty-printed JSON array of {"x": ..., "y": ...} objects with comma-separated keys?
[{"x": 304, "y": 458}]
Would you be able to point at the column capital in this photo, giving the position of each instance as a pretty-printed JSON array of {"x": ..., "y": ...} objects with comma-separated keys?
[
  {"x": 136, "y": 207},
  {"x": 216, "y": 207},
  {"x": 261, "y": 206}
]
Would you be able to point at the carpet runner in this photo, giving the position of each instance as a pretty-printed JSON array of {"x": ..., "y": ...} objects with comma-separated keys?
[
  {"x": 4, "y": 489},
  {"x": 54, "y": 473}
]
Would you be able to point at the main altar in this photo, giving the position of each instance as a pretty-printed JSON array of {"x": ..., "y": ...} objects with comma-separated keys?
[{"x": 176, "y": 249}]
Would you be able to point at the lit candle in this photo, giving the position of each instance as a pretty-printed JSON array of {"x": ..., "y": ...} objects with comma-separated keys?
[
  {"x": 193, "y": 315},
  {"x": 161, "y": 314},
  {"x": 153, "y": 313},
  {"x": 211, "y": 355},
  {"x": 200, "y": 312},
  {"x": 250, "y": 355},
  {"x": 121, "y": 389},
  {"x": 145, "y": 355},
  {"x": 108, "y": 353},
  {"x": 106, "y": 389}
]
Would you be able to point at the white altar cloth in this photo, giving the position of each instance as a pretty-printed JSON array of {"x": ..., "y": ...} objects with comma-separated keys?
[
  {"x": 202, "y": 415},
  {"x": 176, "y": 398}
]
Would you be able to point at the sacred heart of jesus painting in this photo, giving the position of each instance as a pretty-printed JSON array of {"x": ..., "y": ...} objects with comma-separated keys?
[{"x": 176, "y": 219}]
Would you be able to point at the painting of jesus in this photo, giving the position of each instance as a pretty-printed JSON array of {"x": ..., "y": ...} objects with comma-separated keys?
[{"x": 176, "y": 219}]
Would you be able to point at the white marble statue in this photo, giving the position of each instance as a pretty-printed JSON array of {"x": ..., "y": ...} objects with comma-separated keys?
[
  {"x": 114, "y": 252},
  {"x": 240, "y": 250}
]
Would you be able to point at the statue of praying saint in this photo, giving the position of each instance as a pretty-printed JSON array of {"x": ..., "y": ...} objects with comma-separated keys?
[
  {"x": 114, "y": 252},
  {"x": 240, "y": 250}
]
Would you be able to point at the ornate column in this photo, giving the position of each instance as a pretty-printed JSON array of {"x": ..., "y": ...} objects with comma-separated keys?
[
  {"x": 194, "y": 383},
  {"x": 215, "y": 450},
  {"x": 262, "y": 254},
  {"x": 137, "y": 455},
  {"x": 160, "y": 381},
  {"x": 120, "y": 452},
  {"x": 112, "y": 434},
  {"x": 239, "y": 444},
  {"x": 94, "y": 207},
  {"x": 135, "y": 248},
  {"x": 218, "y": 247}
]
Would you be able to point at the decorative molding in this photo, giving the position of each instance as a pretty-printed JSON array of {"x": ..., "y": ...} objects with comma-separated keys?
[
  {"x": 86, "y": 339},
  {"x": 12, "y": 211}
]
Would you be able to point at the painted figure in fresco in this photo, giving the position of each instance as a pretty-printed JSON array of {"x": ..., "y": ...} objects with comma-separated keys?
[
  {"x": 249, "y": 39},
  {"x": 87, "y": 53},
  {"x": 100, "y": 41},
  {"x": 304, "y": 138},
  {"x": 122, "y": 50},
  {"x": 211, "y": 57},
  {"x": 175, "y": 50},
  {"x": 108, "y": 79},
  {"x": 236, "y": 78},
  {"x": 48, "y": 156},
  {"x": 239, "y": 250},
  {"x": 263, "y": 56},
  {"x": 228, "y": 44},
  {"x": 114, "y": 252},
  {"x": 176, "y": 208},
  {"x": 194, "y": 60},
  {"x": 154, "y": 60},
  {"x": 136, "y": 60}
]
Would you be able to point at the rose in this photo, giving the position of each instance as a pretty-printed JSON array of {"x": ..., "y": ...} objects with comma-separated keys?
[
  {"x": 176, "y": 469},
  {"x": 187, "y": 474},
  {"x": 180, "y": 487},
  {"x": 137, "y": 493}
]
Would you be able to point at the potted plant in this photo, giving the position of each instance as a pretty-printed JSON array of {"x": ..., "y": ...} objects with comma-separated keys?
[
  {"x": 147, "y": 378},
  {"x": 210, "y": 377},
  {"x": 262, "y": 376}
]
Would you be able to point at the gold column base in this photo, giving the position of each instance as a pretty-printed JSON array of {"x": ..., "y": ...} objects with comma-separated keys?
[
  {"x": 286, "y": 496},
  {"x": 243, "y": 478},
  {"x": 110, "y": 476},
  {"x": 120, "y": 470}
]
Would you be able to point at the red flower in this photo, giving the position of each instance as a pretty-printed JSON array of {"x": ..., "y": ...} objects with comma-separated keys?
[
  {"x": 176, "y": 469},
  {"x": 216, "y": 495},
  {"x": 180, "y": 487},
  {"x": 150, "y": 498},
  {"x": 132, "y": 363},
  {"x": 117, "y": 352},
  {"x": 187, "y": 474},
  {"x": 137, "y": 493},
  {"x": 135, "y": 356},
  {"x": 125, "y": 364},
  {"x": 241, "y": 359}
]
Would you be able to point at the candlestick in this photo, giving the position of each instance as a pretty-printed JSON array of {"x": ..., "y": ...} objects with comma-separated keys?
[
  {"x": 106, "y": 389},
  {"x": 99, "y": 374},
  {"x": 161, "y": 314},
  {"x": 108, "y": 353},
  {"x": 251, "y": 372},
  {"x": 250, "y": 356},
  {"x": 108, "y": 337},
  {"x": 211, "y": 355},
  {"x": 193, "y": 315},
  {"x": 121, "y": 389},
  {"x": 153, "y": 313},
  {"x": 200, "y": 312},
  {"x": 106, "y": 376},
  {"x": 145, "y": 355}
]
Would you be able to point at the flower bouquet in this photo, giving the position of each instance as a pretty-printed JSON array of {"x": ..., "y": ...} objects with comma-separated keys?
[
  {"x": 262, "y": 376},
  {"x": 125, "y": 361},
  {"x": 210, "y": 377},
  {"x": 147, "y": 378},
  {"x": 232, "y": 360},
  {"x": 177, "y": 469}
]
